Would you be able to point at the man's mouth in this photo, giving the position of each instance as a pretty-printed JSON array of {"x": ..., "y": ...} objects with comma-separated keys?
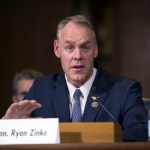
[{"x": 79, "y": 67}]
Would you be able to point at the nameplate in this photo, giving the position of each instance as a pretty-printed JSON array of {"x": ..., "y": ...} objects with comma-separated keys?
[{"x": 29, "y": 131}]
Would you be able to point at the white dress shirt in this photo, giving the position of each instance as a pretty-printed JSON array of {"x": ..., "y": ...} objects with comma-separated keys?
[{"x": 85, "y": 89}]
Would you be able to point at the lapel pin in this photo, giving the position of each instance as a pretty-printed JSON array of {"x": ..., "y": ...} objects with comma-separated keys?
[{"x": 94, "y": 103}]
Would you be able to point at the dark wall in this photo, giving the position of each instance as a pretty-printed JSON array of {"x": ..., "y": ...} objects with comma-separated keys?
[{"x": 133, "y": 40}]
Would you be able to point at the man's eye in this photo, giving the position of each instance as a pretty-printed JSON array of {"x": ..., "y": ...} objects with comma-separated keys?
[
  {"x": 85, "y": 48},
  {"x": 69, "y": 48}
]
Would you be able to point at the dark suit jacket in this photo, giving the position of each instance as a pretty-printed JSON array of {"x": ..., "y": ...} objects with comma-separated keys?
[{"x": 120, "y": 96}]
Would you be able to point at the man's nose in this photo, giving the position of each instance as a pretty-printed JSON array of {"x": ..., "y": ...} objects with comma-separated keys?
[{"x": 77, "y": 54}]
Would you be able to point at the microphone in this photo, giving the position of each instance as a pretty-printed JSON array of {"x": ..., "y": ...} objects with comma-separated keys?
[{"x": 110, "y": 114}]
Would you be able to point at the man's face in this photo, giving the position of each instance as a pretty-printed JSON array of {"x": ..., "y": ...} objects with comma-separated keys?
[
  {"x": 76, "y": 49},
  {"x": 23, "y": 87}
]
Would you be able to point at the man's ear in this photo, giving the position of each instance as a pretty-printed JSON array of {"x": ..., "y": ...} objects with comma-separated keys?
[{"x": 56, "y": 48}]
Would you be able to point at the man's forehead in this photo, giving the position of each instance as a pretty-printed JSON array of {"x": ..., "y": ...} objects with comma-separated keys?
[{"x": 74, "y": 32}]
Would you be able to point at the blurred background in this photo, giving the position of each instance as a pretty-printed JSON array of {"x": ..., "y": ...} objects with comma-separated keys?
[{"x": 28, "y": 27}]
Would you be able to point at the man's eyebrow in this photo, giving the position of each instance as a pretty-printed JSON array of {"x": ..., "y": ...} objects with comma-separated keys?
[
  {"x": 69, "y": 42},
  {"x": 81, "y": 44},
  {"x": 86, "y": 43}
]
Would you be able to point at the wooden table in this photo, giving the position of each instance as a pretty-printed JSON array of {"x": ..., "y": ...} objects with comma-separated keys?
[{"x": 82, "y": 146}]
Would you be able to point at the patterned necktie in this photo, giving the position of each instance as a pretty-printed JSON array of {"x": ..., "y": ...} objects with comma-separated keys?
[{"x": 76, "y": 113}]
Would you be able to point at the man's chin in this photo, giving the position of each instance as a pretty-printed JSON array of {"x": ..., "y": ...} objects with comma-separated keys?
[{"x": 79, "y": 80}]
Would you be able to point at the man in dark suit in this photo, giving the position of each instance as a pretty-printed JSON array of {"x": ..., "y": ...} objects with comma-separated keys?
[{"x": 99, "y": 96}]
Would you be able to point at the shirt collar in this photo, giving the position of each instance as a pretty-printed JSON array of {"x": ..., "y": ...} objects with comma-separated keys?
[{"x": 85, "y": 89}]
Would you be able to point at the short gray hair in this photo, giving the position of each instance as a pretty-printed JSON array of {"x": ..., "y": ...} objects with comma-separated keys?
[{"x": 78, "y": 19}]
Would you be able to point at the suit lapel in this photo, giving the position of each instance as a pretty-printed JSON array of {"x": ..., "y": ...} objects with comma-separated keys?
[
  {"x": 90, "y": 111},
  {"x": 99, "y": 91},
  {"x": 61, "y": 99}
]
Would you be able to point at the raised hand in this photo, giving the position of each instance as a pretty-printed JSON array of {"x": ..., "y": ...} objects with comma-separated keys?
[{"x": 21, "y": 109}]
